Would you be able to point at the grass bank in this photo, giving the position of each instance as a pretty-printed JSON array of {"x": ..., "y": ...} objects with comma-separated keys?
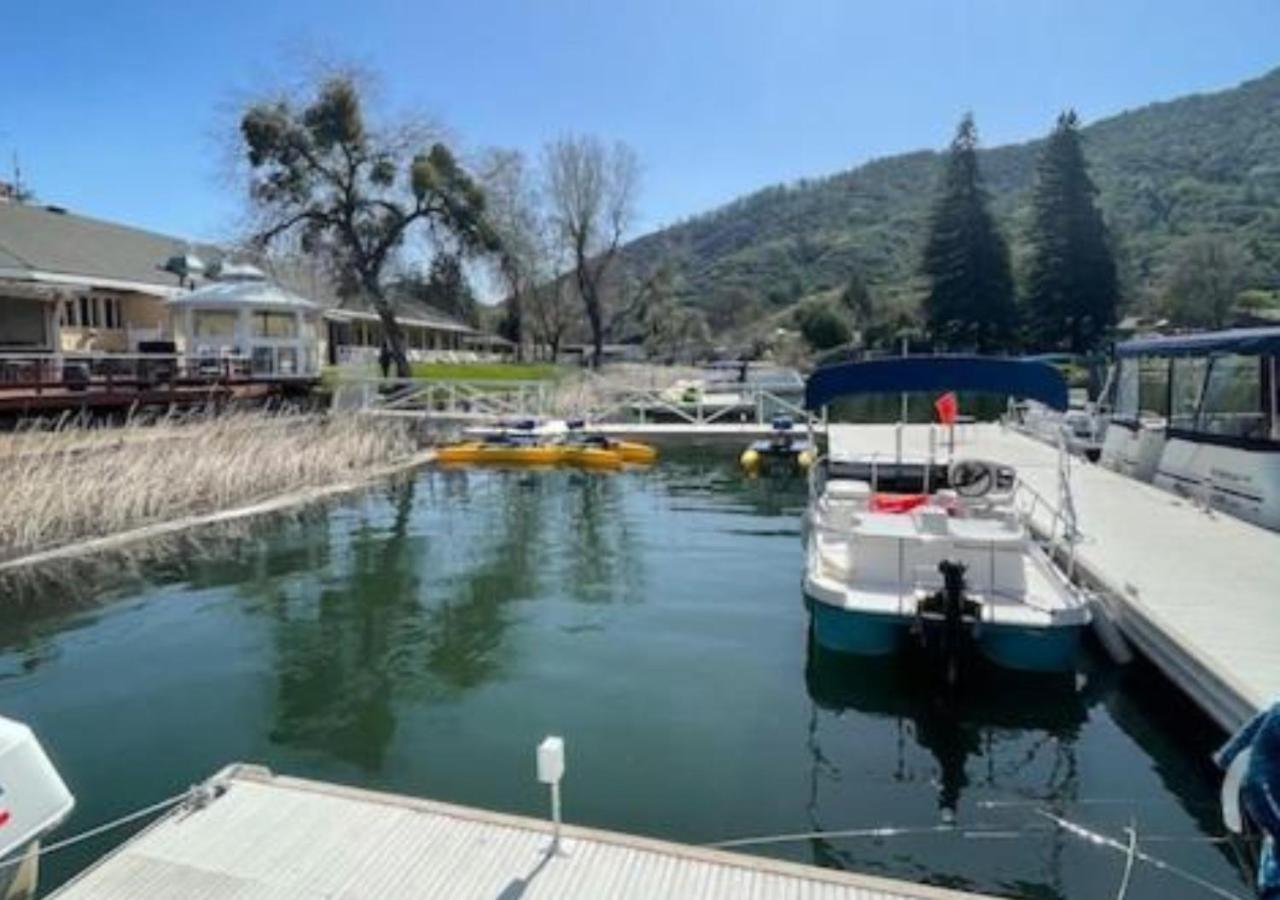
[
  {"x": 69, "y": 484},
  {"x": 489, "y": 371}
]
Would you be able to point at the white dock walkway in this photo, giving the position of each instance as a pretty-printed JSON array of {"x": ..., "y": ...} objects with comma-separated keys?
[
  {"x": 273, "y": 837},
  {"x": 1196, "y": 592}
]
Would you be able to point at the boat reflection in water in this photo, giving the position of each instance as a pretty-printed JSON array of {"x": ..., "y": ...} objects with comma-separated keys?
[
  {"x": 952, "y": 724},
  {"x": 1000, "y": 736}
]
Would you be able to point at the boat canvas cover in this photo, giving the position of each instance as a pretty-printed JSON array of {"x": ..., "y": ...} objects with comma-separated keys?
[
  {"x": 1025, "y": 379},
  {"x": 1244, "y": 341},
  {"x": 33, "y": 797}
]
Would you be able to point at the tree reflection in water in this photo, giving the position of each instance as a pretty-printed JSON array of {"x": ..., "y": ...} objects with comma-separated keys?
[{"x": 421, "y": 608}]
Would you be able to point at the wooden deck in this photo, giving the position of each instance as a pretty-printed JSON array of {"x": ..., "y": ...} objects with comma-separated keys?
[
  {"x": 1197, "y": 592},
  {"x": 273, "y": 837}
]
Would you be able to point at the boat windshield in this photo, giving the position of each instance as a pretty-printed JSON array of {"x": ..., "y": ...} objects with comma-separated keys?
[
  {"x": 1221, "y": 397},
  {"x": 1234, "y": 404}
]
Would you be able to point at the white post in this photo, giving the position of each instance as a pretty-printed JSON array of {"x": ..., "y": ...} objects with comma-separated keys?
[{"x": 550, "y": 771}]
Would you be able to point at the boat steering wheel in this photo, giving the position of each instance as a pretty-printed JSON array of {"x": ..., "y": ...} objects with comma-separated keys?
[{"x": 971, "y": 477}]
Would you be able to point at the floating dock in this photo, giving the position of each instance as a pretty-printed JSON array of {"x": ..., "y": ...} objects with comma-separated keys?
[
  {"x": 266, "y": 836},
  {"x": 677, "y": 434},
  {"x": 1197, "y": 592}
]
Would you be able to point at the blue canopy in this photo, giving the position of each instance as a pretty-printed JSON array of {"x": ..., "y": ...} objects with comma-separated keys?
[
  {"x": 1246, "y": 341},
  {"x": 1015, "y": 377}
]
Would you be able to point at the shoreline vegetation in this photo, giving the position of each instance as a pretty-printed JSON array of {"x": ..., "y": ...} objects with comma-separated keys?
[{"x": 73, "y": 489}]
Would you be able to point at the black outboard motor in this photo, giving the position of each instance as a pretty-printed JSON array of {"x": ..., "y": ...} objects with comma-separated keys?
[{"x": 948, "y": 617}]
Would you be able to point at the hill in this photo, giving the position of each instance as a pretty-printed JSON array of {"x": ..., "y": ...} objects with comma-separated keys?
[{"x": 1201, "y": 164}]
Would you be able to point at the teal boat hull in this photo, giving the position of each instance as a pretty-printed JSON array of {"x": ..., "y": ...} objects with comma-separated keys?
[{"x": 858, "y": 633}]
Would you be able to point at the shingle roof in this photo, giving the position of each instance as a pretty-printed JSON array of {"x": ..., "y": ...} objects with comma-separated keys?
[{"x": 39, "y": 239}]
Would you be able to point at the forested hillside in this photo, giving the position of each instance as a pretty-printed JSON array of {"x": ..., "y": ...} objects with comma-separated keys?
[{"x": 1200, "y": 165}]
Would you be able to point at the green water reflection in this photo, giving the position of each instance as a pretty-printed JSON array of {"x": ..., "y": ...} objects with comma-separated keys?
[{"x": 422, "y": 638}]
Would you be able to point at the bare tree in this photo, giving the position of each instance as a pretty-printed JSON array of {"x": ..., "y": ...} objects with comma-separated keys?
[
  {"x": 591, "y": 191},
  {"x": 551, "y": 314},
  {"x": 352, "y": 194},
  {"x": 517, "y": 220}
]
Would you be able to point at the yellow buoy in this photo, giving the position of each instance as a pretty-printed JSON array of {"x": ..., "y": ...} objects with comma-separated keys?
[{"x": 750, "y": 461}]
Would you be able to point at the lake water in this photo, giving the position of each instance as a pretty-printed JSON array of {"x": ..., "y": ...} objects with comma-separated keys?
[{"x": 423, "y": 638}]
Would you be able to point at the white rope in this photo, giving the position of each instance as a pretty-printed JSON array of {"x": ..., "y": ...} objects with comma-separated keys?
[
  {"x": 1105, "y": 841},
  {"x": 197, "y": 796},
  {"x": 1132, "y": 831}
]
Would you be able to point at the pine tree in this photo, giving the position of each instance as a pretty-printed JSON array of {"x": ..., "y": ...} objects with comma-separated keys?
[
  {"x": 970, "y": 302},
  {"x": 1071, "y": 277}
]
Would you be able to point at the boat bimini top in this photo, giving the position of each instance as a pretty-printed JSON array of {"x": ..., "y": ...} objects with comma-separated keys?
[
  {"x": 1025, "y": 379},
  {"x": 1242, "y": 341}
]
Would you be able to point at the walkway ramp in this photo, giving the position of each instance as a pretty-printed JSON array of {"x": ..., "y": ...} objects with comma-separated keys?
[
  {"x": 273, "y": 837},
  {"x": 1198, "y": 592}
]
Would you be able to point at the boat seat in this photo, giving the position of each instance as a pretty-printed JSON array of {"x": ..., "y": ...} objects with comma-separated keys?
[{"x": 842, "y": 500}]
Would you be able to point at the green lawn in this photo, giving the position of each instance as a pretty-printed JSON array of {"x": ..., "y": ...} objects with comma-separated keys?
[{"x": 488, "y": 371}]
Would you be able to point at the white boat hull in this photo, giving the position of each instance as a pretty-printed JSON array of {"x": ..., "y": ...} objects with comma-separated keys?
[{"x": 1244, "y": 483}]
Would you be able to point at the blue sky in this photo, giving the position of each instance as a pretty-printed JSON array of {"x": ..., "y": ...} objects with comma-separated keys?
[{"x": 115, "y": 107}]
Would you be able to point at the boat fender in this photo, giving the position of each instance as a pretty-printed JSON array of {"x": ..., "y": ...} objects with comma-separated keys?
[
  {"x": 750, "y": 460},
  {"x": 1108, "y": 633}
]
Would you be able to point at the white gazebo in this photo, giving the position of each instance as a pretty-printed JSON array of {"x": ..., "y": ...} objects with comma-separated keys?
[{"x": 246, "y": 317}]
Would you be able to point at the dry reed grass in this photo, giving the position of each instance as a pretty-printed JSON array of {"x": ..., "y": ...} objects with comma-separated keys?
[{"x": 70, "y": 483}]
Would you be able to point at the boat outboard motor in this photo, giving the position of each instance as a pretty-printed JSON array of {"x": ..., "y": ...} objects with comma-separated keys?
[
  {"x": 955, "y": 614},
  {"x": 1251, "y": 761}
]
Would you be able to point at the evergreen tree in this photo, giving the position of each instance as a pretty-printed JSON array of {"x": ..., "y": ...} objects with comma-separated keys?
[
  {"x": 970, "y": 301},
  {"x": 1071, "y": 278}
]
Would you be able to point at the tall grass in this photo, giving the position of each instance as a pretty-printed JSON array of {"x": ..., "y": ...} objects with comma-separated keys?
[{"x": 69, "y": 483}]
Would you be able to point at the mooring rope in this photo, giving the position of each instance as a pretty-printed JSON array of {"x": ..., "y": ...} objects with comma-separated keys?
[
  {"x": 196, "y": 797},
  {"x": 1130, "y": 850}
]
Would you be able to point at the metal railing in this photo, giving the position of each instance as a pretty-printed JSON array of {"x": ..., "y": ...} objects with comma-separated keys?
[
  {"x": 450, "y": 399},
  {"x": 593, "y": 400}
]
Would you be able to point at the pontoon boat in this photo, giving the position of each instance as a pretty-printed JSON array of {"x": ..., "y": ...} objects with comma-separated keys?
[{"x": 952, "y": 565}]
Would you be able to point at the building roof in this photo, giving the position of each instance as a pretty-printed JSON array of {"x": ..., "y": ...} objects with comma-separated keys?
[
  {"x": 255, "y": 294},
  {"x": 408, "y": 312},
  {"x": 42, "y": 243}
]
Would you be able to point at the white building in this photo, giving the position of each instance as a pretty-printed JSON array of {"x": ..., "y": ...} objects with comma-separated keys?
[{"x": 247, "y": 318}]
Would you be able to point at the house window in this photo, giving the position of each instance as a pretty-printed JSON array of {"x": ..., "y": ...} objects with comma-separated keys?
[
  {"x": 210, "y": 323},
  {"x": 83, "y": 321},
  {"x": 274, "y": 325},
  {"x": 111, "y": 308},
  {"x": 68, "y": 317}
]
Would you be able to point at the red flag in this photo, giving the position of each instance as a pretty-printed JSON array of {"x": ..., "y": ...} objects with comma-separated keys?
[{"x": 947, "y": 408}]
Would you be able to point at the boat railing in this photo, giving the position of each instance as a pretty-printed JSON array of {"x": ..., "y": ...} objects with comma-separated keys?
[{"x": 1057, "y": 518}]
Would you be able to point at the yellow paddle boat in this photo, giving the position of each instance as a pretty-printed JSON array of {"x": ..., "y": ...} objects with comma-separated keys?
[
  {"x": 632, "y": 452},
  {"x": 585, "y": 456},
  {"x": 501, "y": 451},
  {"x": 785, "y": 452}
]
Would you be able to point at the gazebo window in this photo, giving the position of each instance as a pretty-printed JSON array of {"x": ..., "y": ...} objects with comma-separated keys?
[
  {"x": 274, "y": 324},
  {"x": 214, "y": 324}
]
